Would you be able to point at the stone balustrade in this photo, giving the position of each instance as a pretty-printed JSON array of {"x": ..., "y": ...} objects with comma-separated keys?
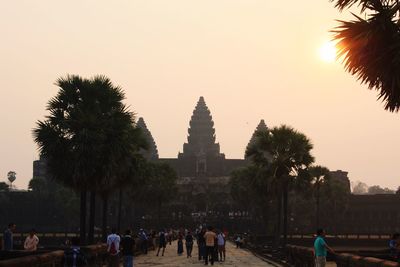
[
  {"x": 96, "y": 256},
  {"x": 304, "y": 257}
]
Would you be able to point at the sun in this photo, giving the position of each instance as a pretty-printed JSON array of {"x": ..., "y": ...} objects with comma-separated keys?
[{"x": 327, "y": 52}]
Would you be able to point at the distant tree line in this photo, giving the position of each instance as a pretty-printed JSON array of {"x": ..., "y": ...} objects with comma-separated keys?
[{"x": 360, "y": 188}]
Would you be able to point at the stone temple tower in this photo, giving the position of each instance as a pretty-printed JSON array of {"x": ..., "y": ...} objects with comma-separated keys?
[
  {"x": 151, "y": 153},
  {"x": 201, "y": 138},
  {"x": 201, "y": 151},
  {"x": 261, "y": 127}
]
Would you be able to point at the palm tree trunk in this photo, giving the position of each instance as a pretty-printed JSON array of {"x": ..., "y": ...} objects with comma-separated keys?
[
  {"x": 265, "y": 219},
  {"x": 92, "y": 215},
  {"x": 82, "y": 221},
  {"x": 285, "y": 214},
  {"x": 119, "y": 210},
  {"x": 104, "y": 219},
  {"x": 279, "y": 219},
  {"x": 159, "y": 214},
  {"x": 317, "y": 215}
]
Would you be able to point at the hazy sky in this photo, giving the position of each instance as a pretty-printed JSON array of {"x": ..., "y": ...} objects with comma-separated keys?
[{"x": 250, "y": 59}]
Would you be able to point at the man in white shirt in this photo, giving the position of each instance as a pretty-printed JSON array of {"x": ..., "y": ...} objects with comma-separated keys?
[
  {"x": 113, "y": 241},
  {"x": 31, "y": 241}
]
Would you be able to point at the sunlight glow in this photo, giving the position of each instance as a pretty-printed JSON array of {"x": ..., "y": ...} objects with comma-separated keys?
[{"x": 327, "y": 52}]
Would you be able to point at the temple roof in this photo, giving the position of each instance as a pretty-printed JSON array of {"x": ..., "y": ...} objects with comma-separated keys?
[
  {"x": 151, "y": 153},
  {"x": 201, "y": 138},
  {"x": 261, "y": 127}
]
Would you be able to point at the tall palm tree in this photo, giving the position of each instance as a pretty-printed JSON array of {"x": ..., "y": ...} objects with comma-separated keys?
[
  {"x": 84, "y": 135},
  {"x": 319, "y": 176},
  {"x": 286, "y": 153},
  {"x": 370, "y": 47},
  {"x": 252, "y": 189}
]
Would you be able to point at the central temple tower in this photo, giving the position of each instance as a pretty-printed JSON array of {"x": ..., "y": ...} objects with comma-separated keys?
[
  {"x": 201, "y": 138},
  {"x": 201, "y": 152}
]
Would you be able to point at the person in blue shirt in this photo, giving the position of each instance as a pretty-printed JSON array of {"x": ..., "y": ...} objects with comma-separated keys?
[
  {"x": 394, "y": 246},
  {"x": 320, "y": 249},
  {"x": 143, "y": 241},
  {"x": 8, "y": 241}
]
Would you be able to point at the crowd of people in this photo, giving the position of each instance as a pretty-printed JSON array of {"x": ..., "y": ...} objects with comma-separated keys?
[{"x": 210, "y": 242}]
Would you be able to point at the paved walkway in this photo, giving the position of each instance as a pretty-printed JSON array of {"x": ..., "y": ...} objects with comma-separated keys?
[{"x": 234, "y": 257}]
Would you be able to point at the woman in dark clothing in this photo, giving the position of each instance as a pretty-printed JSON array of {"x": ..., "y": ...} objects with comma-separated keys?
[
  {"x": 180, "y": 244},
  {"x": 189, "y": 244},
  {"x": 162, "y": 242},
  {"x": 201, "y": 243}
]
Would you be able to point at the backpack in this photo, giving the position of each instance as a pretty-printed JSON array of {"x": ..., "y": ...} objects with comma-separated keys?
[
  {"x": 113, "y": 249},
  {"x": 74, "y": 257}
]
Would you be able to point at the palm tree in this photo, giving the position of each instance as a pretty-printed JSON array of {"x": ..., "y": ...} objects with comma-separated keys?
[
  {"x": 251, "y": 189},
  {"x": 286, "y": 153},
  {"x": 160, "y": 184},
  {"x": 370, "y": 47},
  {"x": 86, "y": 133},
  {"x": 319, "y": 176}
]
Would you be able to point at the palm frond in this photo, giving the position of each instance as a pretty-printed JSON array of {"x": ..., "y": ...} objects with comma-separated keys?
[
  {"x": 364, "y": 4},
  {"x": 370, "y": 50}
]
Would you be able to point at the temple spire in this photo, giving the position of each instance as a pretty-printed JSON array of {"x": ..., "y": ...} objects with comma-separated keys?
[
  {"x": 151, "y": 153},
  {"x": 201, "y": 138},
  {"x": 261, "y": 127}
]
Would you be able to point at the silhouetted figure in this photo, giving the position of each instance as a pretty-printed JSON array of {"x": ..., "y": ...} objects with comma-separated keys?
[
  {"x": 201, "y": 244},
  {"x": 127, "y": 248},
  {"x": 394, "y": 246},
  {"x": 162, "y": 242},
  {"x": 170, "y": 236},
  {"x": 189, "y": 244},
  {"x": 143, "y": 241},
  {"x": 73, "y": 256},
  {"x": 210, "y": 237},
  {"x": 238, "y": 241},
  {"x": 180, "y": 244},
  {"x": 8, "y": 238}
]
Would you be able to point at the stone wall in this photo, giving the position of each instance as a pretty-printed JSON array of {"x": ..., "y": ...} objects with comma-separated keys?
[
  {"x": 304, "y": 257},
  {"x": 96, "y": 256}
]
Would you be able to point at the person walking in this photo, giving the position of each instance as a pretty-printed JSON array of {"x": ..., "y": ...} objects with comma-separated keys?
[
  {"x": 170, "y": 236},
  {"x": 210, "y": 237},
  {"x": 162, "y": 242},
  {"x": 113, "y": 242},
  {"x": 31, "y": 241},
  {"x": 201, "y": 244},
  {"x": 8, "y": 238},
  {"x": 238, "y": 242},
  {"x": 143, "y": 241},
  {"x": 221, "y": 246},
  {"x": 73, "y": 256},
  {"x": 394, "y": 247},
  {"x": 127, "y": 248},
  {"x": 320, "y": 249},
  {"x": 180, "y": 244},
  {"x": 189, "y": 244}
]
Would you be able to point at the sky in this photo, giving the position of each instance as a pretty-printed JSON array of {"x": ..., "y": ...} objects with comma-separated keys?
[{"x": 250, "y": 59}]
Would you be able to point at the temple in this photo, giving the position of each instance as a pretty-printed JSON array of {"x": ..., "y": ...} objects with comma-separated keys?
[
  {"x": 204, "y": 174},
  {"x": 201, "y": 157},
  {"x": 151, "y": 153}
]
